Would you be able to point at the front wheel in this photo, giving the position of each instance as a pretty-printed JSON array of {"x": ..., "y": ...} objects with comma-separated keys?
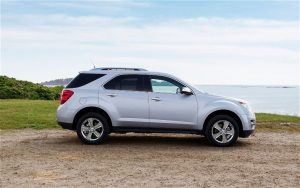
[
  {"x": 92, "y": 128},
  {"x": 222, "y": 130}
]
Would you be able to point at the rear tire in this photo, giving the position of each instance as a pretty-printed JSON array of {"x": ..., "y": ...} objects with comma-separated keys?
[
  {"x": 222, "y": 130},
  {"x": 92, "y": 128}
]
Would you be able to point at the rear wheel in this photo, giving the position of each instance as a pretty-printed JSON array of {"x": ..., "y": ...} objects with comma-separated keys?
[
  {"x": 92, "y": 128},
  {"x": 222, "y": 130}
]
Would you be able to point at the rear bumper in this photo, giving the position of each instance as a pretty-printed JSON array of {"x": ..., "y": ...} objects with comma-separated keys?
[{"x": 66, "y": 125}]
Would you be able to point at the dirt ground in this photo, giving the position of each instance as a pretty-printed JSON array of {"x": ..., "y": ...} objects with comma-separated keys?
[{"x": 34, "y": 158}]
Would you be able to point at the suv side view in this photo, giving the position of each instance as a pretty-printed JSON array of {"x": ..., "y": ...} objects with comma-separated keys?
[{"x": 105, "y": 100}]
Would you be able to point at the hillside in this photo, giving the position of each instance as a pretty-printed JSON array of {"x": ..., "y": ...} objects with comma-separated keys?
[
  {"x": 11, "y": 88},
  {"x": 57, "y": 82}
]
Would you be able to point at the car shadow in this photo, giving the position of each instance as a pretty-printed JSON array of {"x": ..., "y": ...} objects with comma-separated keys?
[
  {"x": 157, "y": 139},
  {"x": 171, "y": 140},
  {"x": 148, "y": 140}
]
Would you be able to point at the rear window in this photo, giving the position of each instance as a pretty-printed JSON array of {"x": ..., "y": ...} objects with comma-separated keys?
[
  {"x": 83, "y": 79},
  {"x": 126, "y": 82}
]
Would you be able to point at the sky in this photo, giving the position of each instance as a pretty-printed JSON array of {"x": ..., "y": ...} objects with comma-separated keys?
[{"x": 202, "y": 42}]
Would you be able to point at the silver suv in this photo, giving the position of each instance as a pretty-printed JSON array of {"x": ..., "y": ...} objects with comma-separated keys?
[{"x": 120, "y": 100}]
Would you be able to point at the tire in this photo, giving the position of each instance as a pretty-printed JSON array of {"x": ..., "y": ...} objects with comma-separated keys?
[
  {"x": 222, "y": 130},
  {"x": 92, "y": 128}
]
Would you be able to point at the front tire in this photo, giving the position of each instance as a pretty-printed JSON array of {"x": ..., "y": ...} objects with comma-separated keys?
[
  {"x": 222, "y": 130},
  {"x": 92, "y": 128}
]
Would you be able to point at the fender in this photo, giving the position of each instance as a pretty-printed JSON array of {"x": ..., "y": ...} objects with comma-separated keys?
[{"x": 214, "y": 106}]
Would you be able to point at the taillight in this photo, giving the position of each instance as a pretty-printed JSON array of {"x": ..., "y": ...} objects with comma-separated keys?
[{"x": 66, "y": 94}]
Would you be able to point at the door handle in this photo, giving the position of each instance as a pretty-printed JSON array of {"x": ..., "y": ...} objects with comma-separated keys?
[
  {"x": 156, "y": 99},
  {"x": 111, "y": 95}
]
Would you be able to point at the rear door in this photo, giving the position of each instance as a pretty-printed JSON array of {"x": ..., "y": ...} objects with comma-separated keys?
[
  {"x": 168, "y": 108},
  {"x": 129, "y": 100}
]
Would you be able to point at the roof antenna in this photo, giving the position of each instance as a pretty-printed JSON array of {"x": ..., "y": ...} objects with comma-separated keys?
[{"x": 92, "y": 62}]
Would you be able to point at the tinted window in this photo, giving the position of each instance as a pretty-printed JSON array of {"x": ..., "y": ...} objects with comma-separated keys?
[
  {"x": 83, "y": 79},
  {"x": 126, "y": 82},
  {"x": 162, "y": 84}
]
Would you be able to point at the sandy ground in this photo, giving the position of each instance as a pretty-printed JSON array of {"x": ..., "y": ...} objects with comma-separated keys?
[{"x": 32, "y": 158}]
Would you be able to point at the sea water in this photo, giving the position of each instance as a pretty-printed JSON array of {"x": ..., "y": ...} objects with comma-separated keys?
[{"x": 268, "y": 99}]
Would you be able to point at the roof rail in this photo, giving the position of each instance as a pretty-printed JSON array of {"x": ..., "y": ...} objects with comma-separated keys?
[{"x": 118, "y": 68}]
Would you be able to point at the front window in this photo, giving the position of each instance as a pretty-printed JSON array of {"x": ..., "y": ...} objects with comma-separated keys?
[{"x": 162, "y": 84}]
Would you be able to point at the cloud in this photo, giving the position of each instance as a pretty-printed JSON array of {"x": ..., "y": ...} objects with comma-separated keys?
[{"x": 245, "y": 47}]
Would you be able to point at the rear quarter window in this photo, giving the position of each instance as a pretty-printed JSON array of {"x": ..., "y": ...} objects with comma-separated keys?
[{"x": 83, "y": 79}]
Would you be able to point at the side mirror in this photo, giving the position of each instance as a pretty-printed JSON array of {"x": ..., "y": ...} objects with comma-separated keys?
[{"x": 186, "y": 91}]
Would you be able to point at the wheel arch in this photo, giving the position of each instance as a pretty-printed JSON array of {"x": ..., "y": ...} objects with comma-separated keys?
[
  {"x": 85, "y": 110},
  {"x": 224, "y": 112}
]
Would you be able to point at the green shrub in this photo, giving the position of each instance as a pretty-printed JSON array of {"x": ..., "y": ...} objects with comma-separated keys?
[{"x": 10, "y": 88}]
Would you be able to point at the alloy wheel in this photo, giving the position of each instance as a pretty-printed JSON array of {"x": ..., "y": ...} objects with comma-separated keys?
[
  {"x": 223, "y": 131},
  {"x": 92, "y": 129}
]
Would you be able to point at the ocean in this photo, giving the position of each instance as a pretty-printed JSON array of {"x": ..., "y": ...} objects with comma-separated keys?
[
  {"x": 268, "y": 99},
  {"x": 283, "y": 100}
]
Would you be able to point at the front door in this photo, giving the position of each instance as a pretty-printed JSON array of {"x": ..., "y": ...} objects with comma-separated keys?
[{"x": 168, "y": 108}]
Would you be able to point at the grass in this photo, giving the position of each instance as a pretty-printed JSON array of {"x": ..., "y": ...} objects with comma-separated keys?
[
  {"x": 40, "y": 114},
  {"x": 263, "y": 117},
  {"x": 277, "y": 123},
  {"x": 18, "y": 113},
  {"x": 275, "y": 127}
]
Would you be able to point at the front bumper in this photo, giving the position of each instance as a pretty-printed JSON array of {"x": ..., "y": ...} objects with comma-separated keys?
[
  {"x": 246, "y": 133},
  {"x": 249, "y": 124}
]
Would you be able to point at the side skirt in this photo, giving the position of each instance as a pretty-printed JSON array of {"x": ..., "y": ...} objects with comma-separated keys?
[{"x": 154, "y": 130}]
